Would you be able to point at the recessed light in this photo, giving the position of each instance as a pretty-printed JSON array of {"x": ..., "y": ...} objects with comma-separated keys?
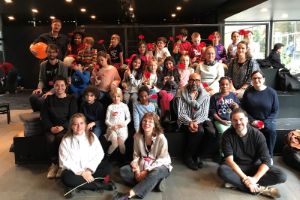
[
  {"x": 130, "y": 9},
  {"x": 178, "y": 8},
  {"x": 173, "y": 15},
  {"x": 264, "y": 10},
  {"x": 52, "y": 17},
  {"x": 8, "y": 1},
  {"x": 93, "y": 16},
  {"x": 284, "y": 15},
  {"x": 11, "y": 18},
  {"x": 34, "y": 10},
  {"x": 82, "y": 10},
  {"x": 68, "y": 1}
]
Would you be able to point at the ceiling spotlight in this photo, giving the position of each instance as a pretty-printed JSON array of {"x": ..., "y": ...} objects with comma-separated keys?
[
  {"x": 82, "y": 10},
  {"x": 52, "y": 17},
  {"x": 284, "y": 15},
  {"x": 11, "y": 18},
  {"x": 173, "y": 15},
  {"x": 68, "y": 1},
  {"x": 130, "y": 9},
  {"x": 178, "y": 8},
  {"x": 93, "y": 16},
  {"x": 34, "y": 10},
  {"x": 8, "y": 1},
  {"x": 264, "y": 10}
]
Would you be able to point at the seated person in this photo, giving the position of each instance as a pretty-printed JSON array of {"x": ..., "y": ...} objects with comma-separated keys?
[
  {"x": 81, "y": 157},
  {"x": 247, "y": 164},
  {"x": 151, "y": 162},
  {"x": 274, "y": 56}
]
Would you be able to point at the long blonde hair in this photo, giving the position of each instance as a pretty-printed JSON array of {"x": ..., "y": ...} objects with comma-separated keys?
[{"x": 88, "y": 133}]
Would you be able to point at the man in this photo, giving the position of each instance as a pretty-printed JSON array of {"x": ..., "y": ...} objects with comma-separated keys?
[
  {"x": 54, "y": 37},
  {"x": 193, "y": 106},
  {"x": 247, "y": 164},
  {"x": 49, "y": 69}
]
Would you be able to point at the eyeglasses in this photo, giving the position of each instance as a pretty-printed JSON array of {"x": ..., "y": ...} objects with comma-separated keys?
[{"x": 194, "y": 80}]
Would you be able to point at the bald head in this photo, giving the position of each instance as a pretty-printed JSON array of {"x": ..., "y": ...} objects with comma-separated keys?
[{"x": 194, "y": 81}]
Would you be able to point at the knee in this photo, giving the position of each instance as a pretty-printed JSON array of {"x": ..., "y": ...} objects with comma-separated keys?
[
  {"x": 281, "y": 177},
  {"x": 125, "y": 171},
  {"x": 222, "y": 170}
]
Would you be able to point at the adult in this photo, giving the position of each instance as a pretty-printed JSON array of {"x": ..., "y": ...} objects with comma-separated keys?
[
  {"x": 261, "y": 103},
  {"x": 241, "y": 68},
  {"x": 49, "y": 69},
  {"x": 54, "y": 37},
  {"x": 247, "y": 164},
  {"x": 56, "y": 113},
  {"x": 274, "y": 56},
  {"x": 151, "y": 162},
  {"x": 211, "y": 71},
  {"x": 193, "y": 107},
  {"x": 81, "y": 157},
  {"x": 76, "y": 43}
]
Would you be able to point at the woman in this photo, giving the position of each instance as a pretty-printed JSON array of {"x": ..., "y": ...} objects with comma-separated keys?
[
  {"x": 80, "y": 157},
  {"x": 240, "y": 69},
  {"x": 76, "y": 43},
  {"x": 274, "y": 56},
  {"x": 261, "y": 104},
  {"x": 56, "y": 112},
  {"x": 151, "y": 161},
  {"x": 211, "y": 71}
]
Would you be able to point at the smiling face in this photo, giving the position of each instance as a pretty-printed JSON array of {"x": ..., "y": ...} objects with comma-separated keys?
[
  {"x": 60, "y": 87},
  {"x": 257, "y": 80},
  {"x": 142, "y": 49},
  {"x": 241, "y": 50},
  {"x": 196, "y": 40},
  {"x": 52, "y": 54},
  {"x": 185, "y": 59},
  {"x": 144, "y": 98},
  {"x": 160, "y": 44},
  {"x": 225, "y": 86},
  {"x": 210, "y": 54},
  {"x": 56, "y": 26},
  {"x": 239, "y": 122},
  {"x": 148, "y": 125},
  {"x": 102, "y": 61},
  {"x": 136, "y": 64},
  {"x": 78, "y": 126},
  {"x": 169, "y": 65},
  {"x": 235, "y": 37}
]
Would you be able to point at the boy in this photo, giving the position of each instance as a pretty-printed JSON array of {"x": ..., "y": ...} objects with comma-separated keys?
[
  {"x": 161, "y": 51},
  {"x": 79, "y": 80},
  {"x": 115, "y": 51},
  {"x": 88, "y": 55},
  {"x": 197, "y": 48}
]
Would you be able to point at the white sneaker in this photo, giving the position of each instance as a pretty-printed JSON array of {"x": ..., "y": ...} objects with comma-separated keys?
[
  {"x": 58, "y": 173},
  {"x": 52, "y": 171},
  {"x": 269, "y": 191},
  {"x": 229, "y": 185}
]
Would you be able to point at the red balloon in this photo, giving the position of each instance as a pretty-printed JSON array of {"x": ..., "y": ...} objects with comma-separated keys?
[{"x": 39, "y": 50}]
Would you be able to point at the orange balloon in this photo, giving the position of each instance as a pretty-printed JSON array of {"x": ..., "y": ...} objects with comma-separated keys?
[{"x": 39, "y": 50}]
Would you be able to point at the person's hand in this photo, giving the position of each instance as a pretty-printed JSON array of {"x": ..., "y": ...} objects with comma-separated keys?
[
  {"x": 124, "y": 85},
  {"x": 251, "y": 183},
  {"x": 139, "y": 176},
  {"x": 171, "y": 78},
  {"x": 135, "y": 167},
  {"x": 37, "y": 91},
  {"x": 47, "y": 94},
  {"x": 225, "y": 122},
  {"x": 258, "y": 124},
  {"x": 90, "y": 125},
  {"x": 87, "y": 176},
  {"x": 128, "y": 72},
  {"x": 56, "y": 129},
  {"x": 234, "y": 105},
  {"x": 193, "y": 126}
]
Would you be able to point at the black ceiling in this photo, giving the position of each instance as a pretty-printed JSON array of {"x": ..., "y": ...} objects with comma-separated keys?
[{"x": 116, "y": 11}]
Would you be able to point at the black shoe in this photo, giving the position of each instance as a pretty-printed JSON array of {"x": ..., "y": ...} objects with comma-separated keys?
[
  {"x": 199, "y": 163},
  {"x": 191, "y": 164},
  {"x": 162, "y": 185},
  {"x": 120, "y": 196}
]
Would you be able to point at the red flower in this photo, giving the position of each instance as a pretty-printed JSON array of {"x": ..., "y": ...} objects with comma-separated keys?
[
  {"x": 141, "y": 37},
  {"x": 181, "y": 66},
  {"x": 106, "y": 179},
  {"x": 244, "y": 32},
  {"x": 150, "y": 46},
  {"x": 153, "y": 96},
  {"x": 211, "y": 37},
  {"x": 147, "y": 74},
  {"x": 205, "y": 85},
  {"x": 202, "y": 44},
  {"x": 179, "y": 37},
  {"x": 127, "y": 60},
  {"x": 171, "y": 38},
  {"x": 260, "y": 124},
  {"x": 100, "y": 41}
]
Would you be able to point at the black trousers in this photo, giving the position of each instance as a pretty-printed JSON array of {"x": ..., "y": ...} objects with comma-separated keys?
[
  {"x": 291, "y": 157},
  {"x": 53, "y": 142},
  {"x": 69, "y": 179}
]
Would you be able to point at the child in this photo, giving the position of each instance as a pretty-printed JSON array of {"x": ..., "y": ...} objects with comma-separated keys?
[
  {"x": 197, "y": 49},
  {"x": 182, "y": 46},
  {"x": 117, "y": 119},
  {"x": 133, "y": 79},
  {"x": 222, "y": 104},
  {"x": 142, "y": 107},
  {"x": 88, "y": 55},
  {"x": 232, "y": 48},
  {"x": 115, "y": 51},
  {"x": 169, "y": 81},
  {"x": 93, "y": 111},
  {"x": 161, "y": 51},
  {"x": 143, "y": 53},
  {"x": 79, "y": 80},
  {"x": 184, "y": 70},
  {"x": 220, "y": 49}
]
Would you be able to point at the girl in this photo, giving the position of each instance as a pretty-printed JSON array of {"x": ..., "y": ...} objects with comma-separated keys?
[
  {"x": 151, "y": 162},
  {"x": 80, "y": 157},
  {"x": 117, "y": 119},
  {"x": 133, "y": 79},
  {"x": 184, "y": 70},
  {"x": 143, "y": 53},
  {"x": 105, "y": 77},
  {"x": 232, "y": 48},
  {"x": 115, "y": 51},
  {"x": 161, "y": 51},
  {"x": 220, "y": 49},
  {"x": 76, "y": 43}
]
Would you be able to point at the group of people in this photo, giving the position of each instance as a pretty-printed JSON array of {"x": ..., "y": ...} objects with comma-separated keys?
[{"x": 100, "y": 95}]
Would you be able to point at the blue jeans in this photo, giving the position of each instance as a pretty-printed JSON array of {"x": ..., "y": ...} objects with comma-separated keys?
[
  {"x": 273, "y": 176},
  {"x": 97, "y": 129},
  {"x": 269, "y": 132},
  {"x": 148, "y": 184}
]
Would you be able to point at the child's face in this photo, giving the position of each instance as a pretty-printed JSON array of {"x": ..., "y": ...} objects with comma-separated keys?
[
  {"x": 136, "y": 64},
  {"x": 196, "y": 40},
  {"x": 235, "y": 37},
  {"x": 169, "y": 65},
  {"x": 142, "y": 49},
  {"x": 225, "y": 86},
  {"x": 183, "y": 38},
  {"x": 90, "y": 98},
  {"x": 217, "y": 38},
  {"x": 87, "y": 45},
  {"x": 114, "y": 41},
  {"x": 77, "y": 39},
  {"x": 161, "y": 44},
  {"x": 102, "y": 61},
  {"x": 185, "y": 60},
  {"x": 116, "y": 98},
  {"x": 144, "y": 97},
  {"x": 153, "y": 67}
]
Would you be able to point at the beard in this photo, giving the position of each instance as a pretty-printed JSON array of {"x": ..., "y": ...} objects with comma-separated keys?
[{"x": 193, "y": 87}]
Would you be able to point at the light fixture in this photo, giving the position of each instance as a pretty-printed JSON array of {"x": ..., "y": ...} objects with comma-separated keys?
[
  {"x": 34, "y": 10},
  {"x": 93, "y": 16},
  {"x": 178, "y": 8},
  {"x": 68, "y": 1},
  {"x": 82, "y": 10},
  {"x": 11, "y": 18},
  {"x": 8, "y": 1},
  {"x": 264, "y": 10},
  {"x": 173, "y": 15},
  {"x": 52, "y": 17},
  {"x": 284, "y": 15},
  {"x": 130, "y": 8}
]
